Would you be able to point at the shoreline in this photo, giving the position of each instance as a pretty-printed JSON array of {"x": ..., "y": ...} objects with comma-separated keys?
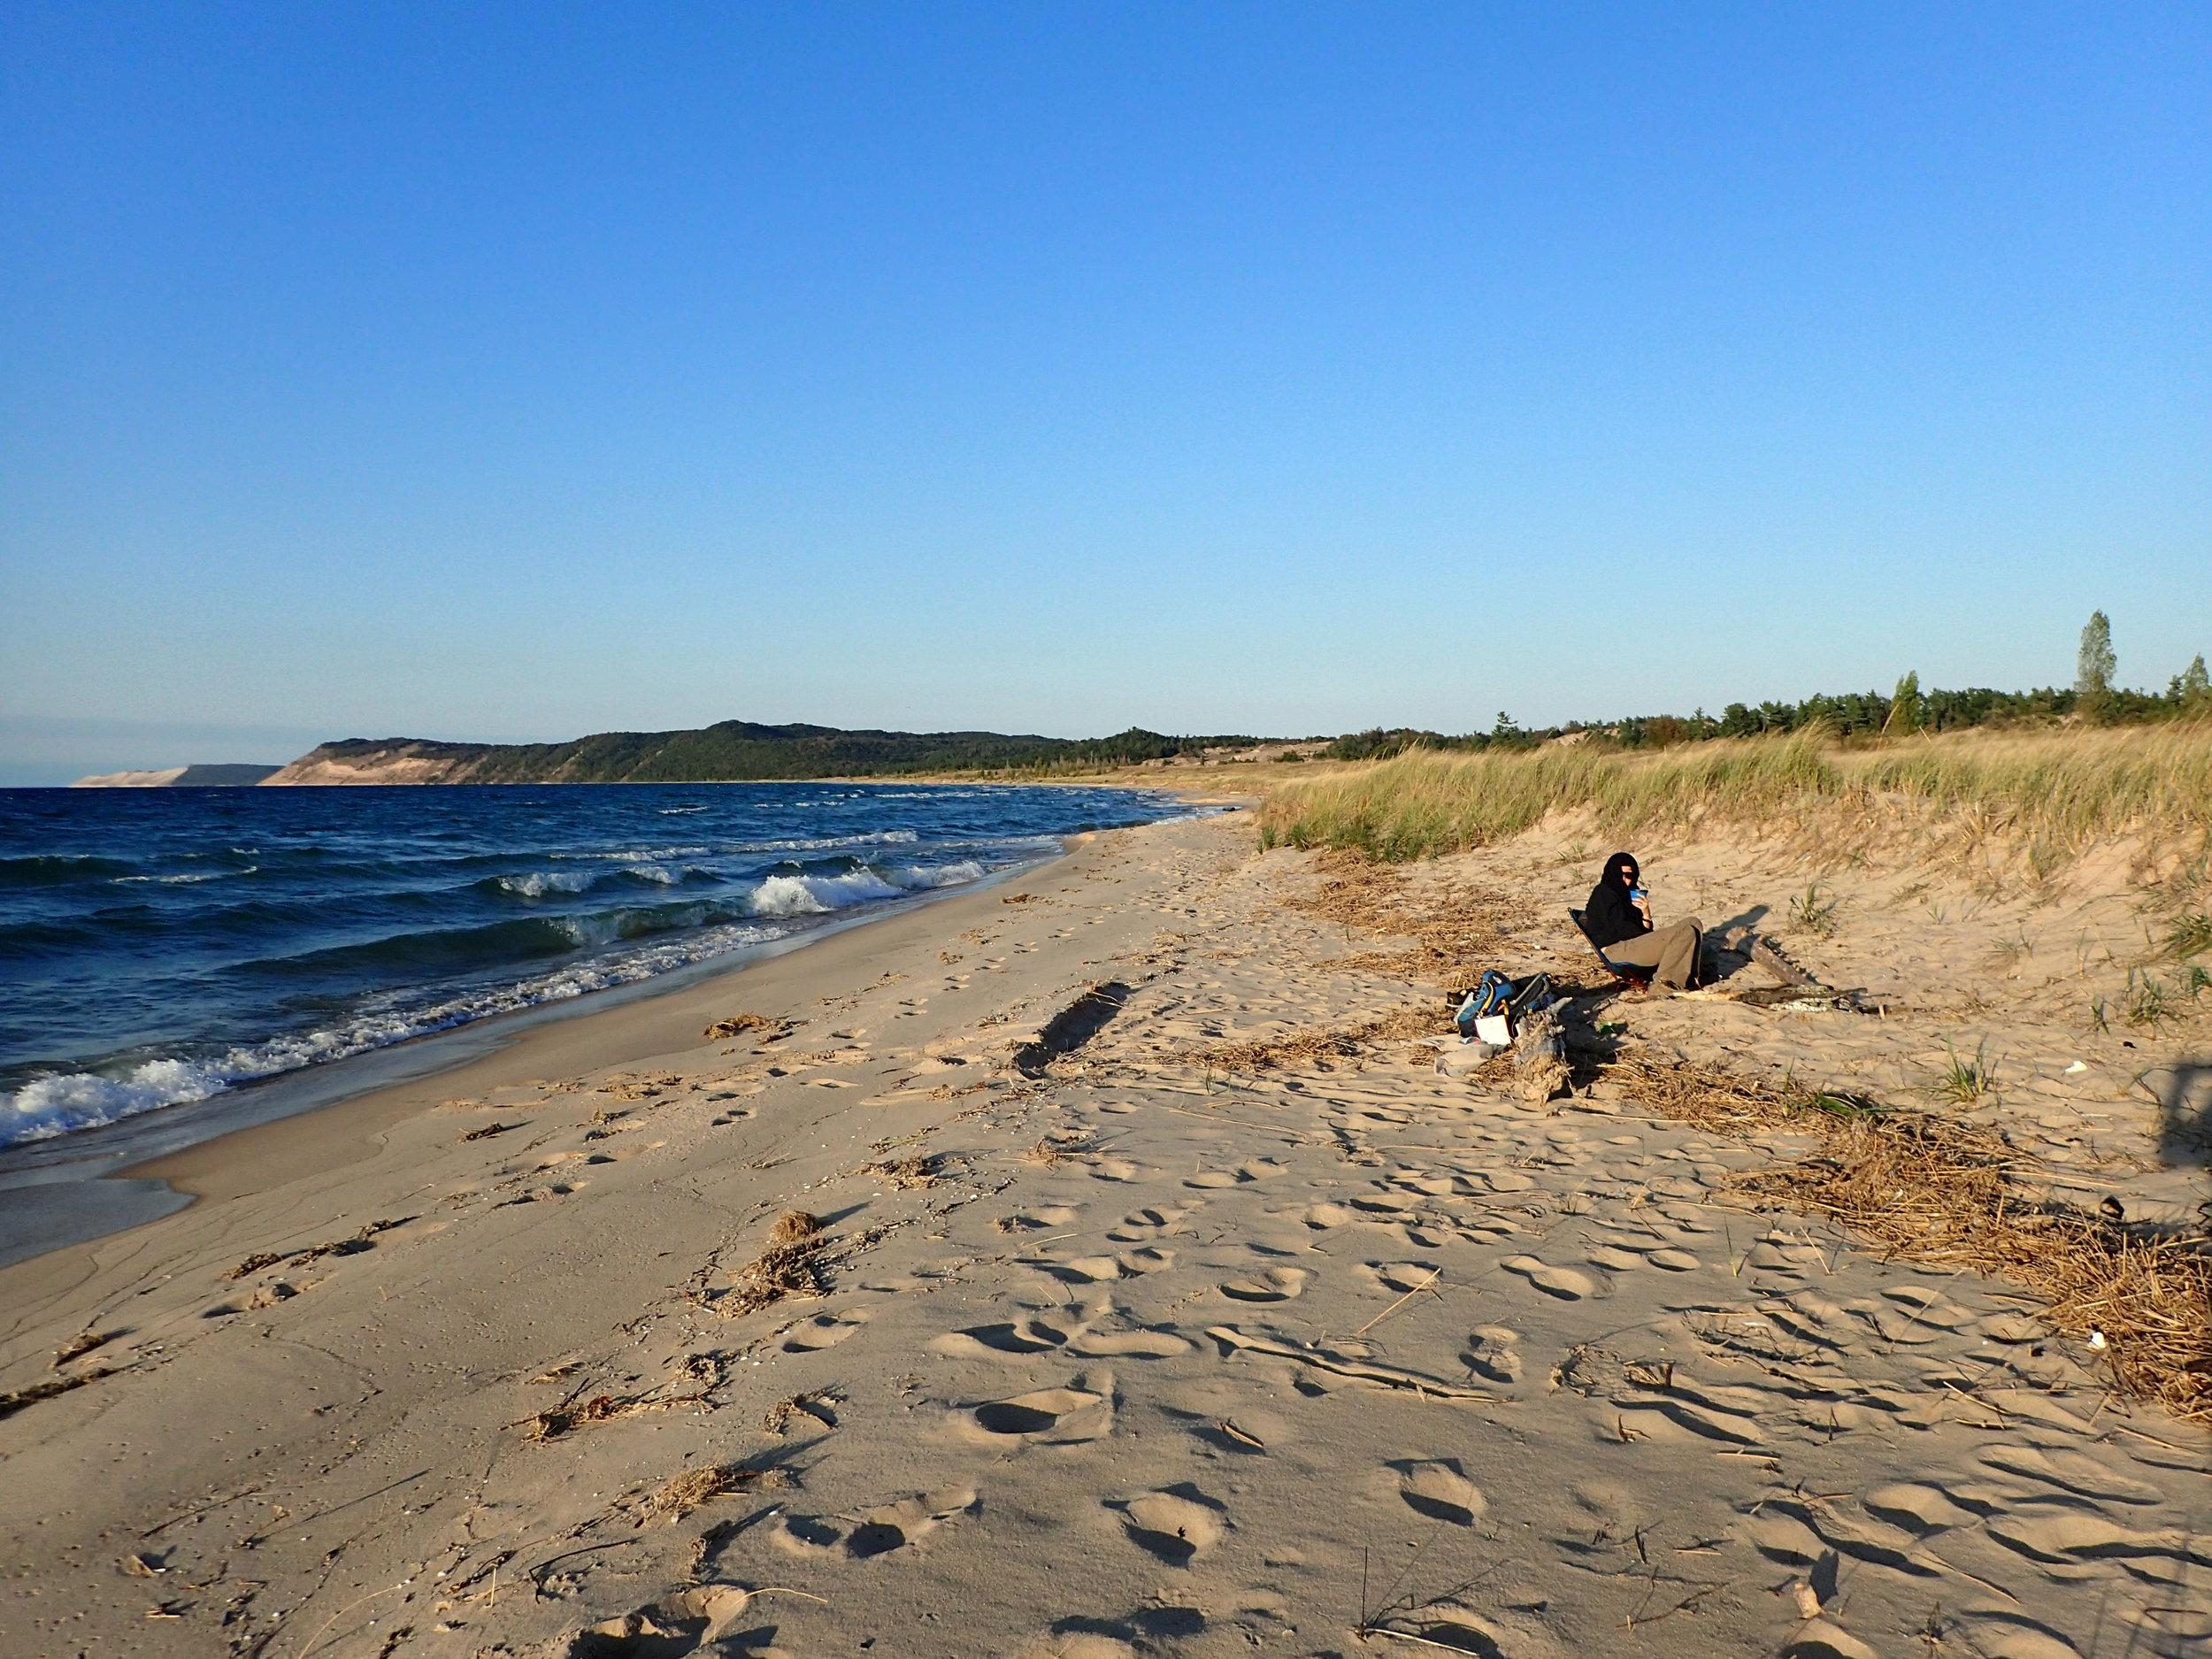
[
  {"x": 364, "y": 1086},
  {"x": 79, "y": 1187}
]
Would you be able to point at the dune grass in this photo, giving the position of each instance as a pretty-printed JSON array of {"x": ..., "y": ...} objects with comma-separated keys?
[{"x": 2052, "y": 791}]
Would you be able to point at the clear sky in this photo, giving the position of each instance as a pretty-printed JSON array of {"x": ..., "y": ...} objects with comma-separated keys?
[{"x": 507, "y": 371}]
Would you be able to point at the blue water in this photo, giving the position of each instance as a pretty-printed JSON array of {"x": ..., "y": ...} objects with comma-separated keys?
[{"x": 160, "y": 946}]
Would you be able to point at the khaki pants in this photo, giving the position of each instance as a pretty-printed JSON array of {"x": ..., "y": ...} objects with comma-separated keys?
[{"x": 1672, "y": 951}]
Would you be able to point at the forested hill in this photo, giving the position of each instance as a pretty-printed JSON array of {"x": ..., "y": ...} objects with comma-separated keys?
[{"x": 728, "y": 751}]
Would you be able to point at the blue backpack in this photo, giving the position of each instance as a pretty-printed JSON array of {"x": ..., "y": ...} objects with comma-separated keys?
[
  {"x": 1495, "y": 993},
  {"x": 1492, "y": 993}
]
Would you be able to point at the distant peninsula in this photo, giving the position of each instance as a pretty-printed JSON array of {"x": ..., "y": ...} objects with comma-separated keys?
[{"x": 732, "y": 751}]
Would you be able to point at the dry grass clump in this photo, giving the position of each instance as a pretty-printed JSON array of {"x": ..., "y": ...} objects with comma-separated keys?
[
  {"x": 790, "y": 1266},
  {"x": 1939, "y": 1192},
  {"x": 906, "y": 1174},
  {"x": 772, "y": 1027},
  {"x": 1061, "y": 1143},
  {"x": 364, "y": 1239},
  {"x": 15, "y": 1400},
  {"x": 1932, "y": 1190},
  {"x": 2049, "y": 792},
  {"x": 695, "y": 1489},
  {"x": 814, "y": 1404},
  {"x": 78, "y": 1346},
  {"x": 1451, "y": 929},
  {"x": 792, "y": 1225},
  {"x": 1319, "y": 1048}
]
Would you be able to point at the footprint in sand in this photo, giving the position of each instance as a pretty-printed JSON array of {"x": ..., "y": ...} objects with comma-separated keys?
[
  {"x": 1176, "y": 1526},
  {"x": 1133, "y": 1344},
  {"x": 1050, "y": 1417},
  {"x": 1273, "y": 1283},
  {"x": 1021, "y": 1338},
  {"x": 1563, "y": 1282},
  {"x": 1614, "y": 1259},
  {"x": 1321, "y": 1216},
  {"x": 1037, "y": 1220},
  {"x": 1493, "y": 1354},
  {"x": 687, "y": 1622},
  {"x": 824, "y": 1330},
  {"x": 1085, "y": 1269},
  {"x": 1439, "y": 1490},
  {"x": 1079, "y": 1645},
  {"x": 1674, "y": 1261},
  {"x": 1017, "y": 1338},
  {"x": 1144, "y": 1224},
  {"x": 1406, "y": 1276},
  {"x": 866, "y": 1533}
]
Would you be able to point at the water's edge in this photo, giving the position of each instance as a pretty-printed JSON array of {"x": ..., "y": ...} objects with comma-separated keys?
[{"x": 75, "y": 1188}]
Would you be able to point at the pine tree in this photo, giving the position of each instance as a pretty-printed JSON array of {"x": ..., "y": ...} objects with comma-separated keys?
[
  {"x": 2196, "y": 689},
  {"x": 1908, "y": 709},
  {"x": 2095, "y": 668}
]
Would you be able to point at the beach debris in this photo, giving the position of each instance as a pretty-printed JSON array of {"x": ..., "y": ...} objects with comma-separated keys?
[
  {"x": 1768, "y": 956},
  {"x": 1059, "y": 1144},
  {"x": 570, "y": 1415},
  {"x": 702, "y": 1615},
  {"x": 1932, "y": 1190},
  {"x": 12, "y": 1402},
  {"x": 1318, "y": 1047},
  {"x": 772, "y": 1027},
  {"x": 83, "y": 1343},
  {"x": 793, "y": 1224},
  {"x": 1540, "y": 1056},
  {"x": 1347, "y": 1365},
  {"x": 792, "y": 1265},
  {"x": 364, "y": 1239},
  {"x": 816, "y": 1404},
  {"x": 491, "y": 1129},
  {"x": 908, "y": 1173},
  {"x": 695, "y": 1489}
]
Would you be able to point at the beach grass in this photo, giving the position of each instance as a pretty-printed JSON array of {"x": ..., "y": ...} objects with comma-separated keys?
[{"x": 2052, "y": 793}]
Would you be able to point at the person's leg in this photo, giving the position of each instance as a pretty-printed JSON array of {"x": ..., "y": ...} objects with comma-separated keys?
[
  {"x": 1671, "y": 952},
  {"x": 1643, "y": 951},
  {"x": 1679, "y": 945}
]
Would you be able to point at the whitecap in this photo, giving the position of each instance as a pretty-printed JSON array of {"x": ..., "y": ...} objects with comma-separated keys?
[
  {"x": 538, "y": 883},
  {"x": 813, "y": 896},
  {"x": 921, "y": 878}
]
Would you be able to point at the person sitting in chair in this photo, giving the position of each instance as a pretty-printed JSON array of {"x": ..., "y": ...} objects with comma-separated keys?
[{"x": 1619, "y": 924}]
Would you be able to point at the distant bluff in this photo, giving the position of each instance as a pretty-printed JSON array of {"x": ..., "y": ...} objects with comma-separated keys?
[{"x": 731, "y": 751}]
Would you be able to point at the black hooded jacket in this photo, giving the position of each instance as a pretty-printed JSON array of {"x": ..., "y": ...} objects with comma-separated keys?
[{"x": 1610, "y": 917}]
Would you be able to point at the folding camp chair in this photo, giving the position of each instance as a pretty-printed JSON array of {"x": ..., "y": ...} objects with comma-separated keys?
[{"x": 1623, "y": 973}]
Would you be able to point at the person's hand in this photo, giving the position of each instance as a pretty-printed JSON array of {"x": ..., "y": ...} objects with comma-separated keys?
[{"x": 1643, "y": 905}]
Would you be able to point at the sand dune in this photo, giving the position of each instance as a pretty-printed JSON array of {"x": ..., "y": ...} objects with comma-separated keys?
[{"x": 1101, "y": 1348}]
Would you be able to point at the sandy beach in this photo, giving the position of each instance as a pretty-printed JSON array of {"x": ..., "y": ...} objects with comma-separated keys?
[{"x": 1101, "y": 1265}]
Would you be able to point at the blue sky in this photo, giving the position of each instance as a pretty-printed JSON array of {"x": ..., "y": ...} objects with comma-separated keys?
[{"x": 521, "y": 371}]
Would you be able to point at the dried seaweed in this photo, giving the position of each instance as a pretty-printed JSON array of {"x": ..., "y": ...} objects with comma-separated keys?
[
  {"x": 1930, "y": 1189},
  {"x": 10, "y": 1403},
  {"x": 772, "y": 1027}
]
